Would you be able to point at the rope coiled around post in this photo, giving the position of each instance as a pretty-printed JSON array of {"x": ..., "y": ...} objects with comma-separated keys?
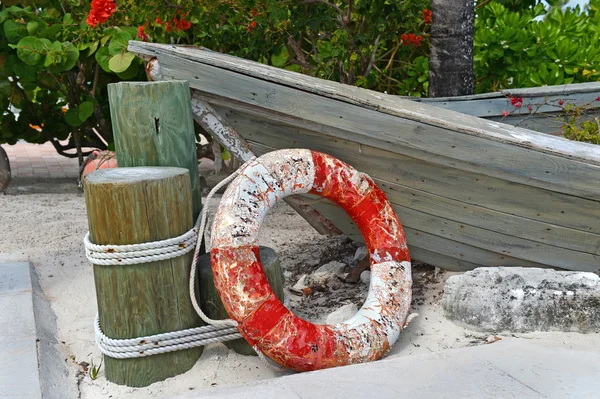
[{"x": 215, "y": 331}]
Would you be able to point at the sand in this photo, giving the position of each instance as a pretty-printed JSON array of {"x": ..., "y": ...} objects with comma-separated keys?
[{"x": 44, "y": 222}]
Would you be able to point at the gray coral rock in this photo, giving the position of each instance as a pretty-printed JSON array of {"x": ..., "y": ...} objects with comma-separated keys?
[{"x": 524, "y": 299}]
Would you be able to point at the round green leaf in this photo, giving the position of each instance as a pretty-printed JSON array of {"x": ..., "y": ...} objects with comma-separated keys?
[
  {"x": 118, "y": 43},
  {"x": 14, "y": 31},
  {"x": 281, "y": 58},
  {"x": 130, "y": 72},
  {"x": 71, "y": 54},
  {"x": 86, "y": 109},
  {"x": 72, "y": 117},
  {"x": 33, "y": 27},
  {"x": 30, "y": 50},
  {"x": 102, "y": 56},
  {"x": 120, "y": 62},
  {"x": 92, "y": 48},
  {"x": 50, "y": 32}
]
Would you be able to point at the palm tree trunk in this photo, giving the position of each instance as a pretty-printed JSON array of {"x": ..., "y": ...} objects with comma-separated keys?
[{"x": 451, "y": 58}]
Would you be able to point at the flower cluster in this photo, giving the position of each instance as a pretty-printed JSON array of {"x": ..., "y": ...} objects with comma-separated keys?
[
  {"x": 176, "y": 24},
  {"x": 100, "y": 11},
  {"x": 252, "y": 24},
  {"x": 427, "y": 16},
  {"x": 411, "y": 38},
  {"x": 516, "y": 101},
  {"x": 141, "y": 34}
]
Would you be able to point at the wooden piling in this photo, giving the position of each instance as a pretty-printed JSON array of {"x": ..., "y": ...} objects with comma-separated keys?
[
  {"x": 135, "y": 205},
  {"x": 153, "y": 126}
]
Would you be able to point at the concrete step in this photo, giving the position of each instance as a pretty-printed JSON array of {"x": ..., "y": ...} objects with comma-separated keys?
[
  {"x": 19, "y": 376},
  {"x": 511, "y": 368}
]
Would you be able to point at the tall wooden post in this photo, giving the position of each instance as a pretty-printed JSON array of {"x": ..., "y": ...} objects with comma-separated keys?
[
  {"x": 153, "y": 126},
  {"x": 130, "y": 206}
]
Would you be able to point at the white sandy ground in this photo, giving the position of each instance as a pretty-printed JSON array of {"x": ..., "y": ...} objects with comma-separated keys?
[{"x": 44, "y": 222}]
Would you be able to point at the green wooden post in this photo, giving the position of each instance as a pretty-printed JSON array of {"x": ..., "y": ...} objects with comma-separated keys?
[
  {"x": 130, "y": 206},
  {"x": 153, "y": 126}
]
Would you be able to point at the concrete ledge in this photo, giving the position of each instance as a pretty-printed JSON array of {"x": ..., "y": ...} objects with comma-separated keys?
[
  {"x": 510, "y": 368},
  {"x": 19, "y": 376}
]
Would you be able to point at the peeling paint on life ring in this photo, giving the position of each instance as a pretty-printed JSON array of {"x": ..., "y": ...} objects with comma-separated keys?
[{"x": 245, "y": 292}]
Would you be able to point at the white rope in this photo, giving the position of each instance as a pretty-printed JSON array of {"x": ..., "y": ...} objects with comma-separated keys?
[
  {"x": 162, "y": 343},
  {"x": 203, "y": 217},
  {"x": 108, "y": 255}
]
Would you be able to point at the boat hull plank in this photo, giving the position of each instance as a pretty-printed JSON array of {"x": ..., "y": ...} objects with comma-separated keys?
[
  {"x": 179, "y": 58},
  {"x": 469, "y": 191},
  {"x": 449, "y": 147},
  {"x": 493, "y": 201},
  {"x": 421, "y": 226},
  {"x": 422, "y": 243}
]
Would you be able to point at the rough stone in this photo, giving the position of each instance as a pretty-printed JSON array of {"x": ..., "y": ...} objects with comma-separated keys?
[
  {"x": 365, "y": 277},
  {"x": 4, "y": 170},
  {"x": 361, "y": 253},
  {"x": 301, "y": 284},
  {"x": 524, "y": 299},
  {"x": 342, "y": 314},
  {"x": 327, "y": 272}
]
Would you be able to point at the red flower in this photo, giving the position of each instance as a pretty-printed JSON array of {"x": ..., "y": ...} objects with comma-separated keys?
[
  {"x": 251, "y": 26},
  {"x": 598, "y": 98},
  {"x": 427, "y": 16},
  {"x": 561, "y": 102},
  {"x": 516, "y": 100},
  {"x": 158, "y": 21},
  {"x": 411, "y": 38},
  {"x": 504, "y": 113},
  {"x": 182, "y": 24},
  {"x": 168, "y": 27},
  {"x": 141, "y": 34},
  {"x": 254, "y": 12},
  {"x": 518, "y": 105},
  {"x": 100, "y": 11},
  {"x": 530, "y": 108}
]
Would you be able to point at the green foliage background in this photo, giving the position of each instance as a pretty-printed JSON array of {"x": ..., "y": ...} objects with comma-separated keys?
[{"x": 51, "y": 60}]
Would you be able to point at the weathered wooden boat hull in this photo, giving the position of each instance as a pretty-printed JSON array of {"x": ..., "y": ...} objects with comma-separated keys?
[
  {"x": 469, "y": 192},
  {"x": 547, "y": 104}
]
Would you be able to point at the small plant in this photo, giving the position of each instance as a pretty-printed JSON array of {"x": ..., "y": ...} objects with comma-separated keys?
[
  {"x": 576, "y": 129},
  {"x": 95, "y": 369},
  {"x": 576, "y": 122}
]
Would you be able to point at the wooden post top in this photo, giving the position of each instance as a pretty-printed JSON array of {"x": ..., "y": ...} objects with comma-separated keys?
[{"x": 133, "y": 174}]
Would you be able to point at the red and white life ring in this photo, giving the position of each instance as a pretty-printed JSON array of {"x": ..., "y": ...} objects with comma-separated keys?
[{"x": 245, "y": 292}]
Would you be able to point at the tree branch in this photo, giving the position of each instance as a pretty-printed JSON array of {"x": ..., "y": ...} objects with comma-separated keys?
[
  {"x": 372, "y": 60},
  {"x": 96, "y": 76},
  {"x": 339, "y": 10}
]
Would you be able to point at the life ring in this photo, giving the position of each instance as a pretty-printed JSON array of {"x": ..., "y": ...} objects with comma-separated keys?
[{"x": 248, "y": 298}]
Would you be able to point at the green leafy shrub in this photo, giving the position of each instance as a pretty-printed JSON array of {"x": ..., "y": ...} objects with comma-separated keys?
[
  {"x": 534, "y": 48},
  {"x": 57, "y": 57},
  {"x": 54, "y": 70}
]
